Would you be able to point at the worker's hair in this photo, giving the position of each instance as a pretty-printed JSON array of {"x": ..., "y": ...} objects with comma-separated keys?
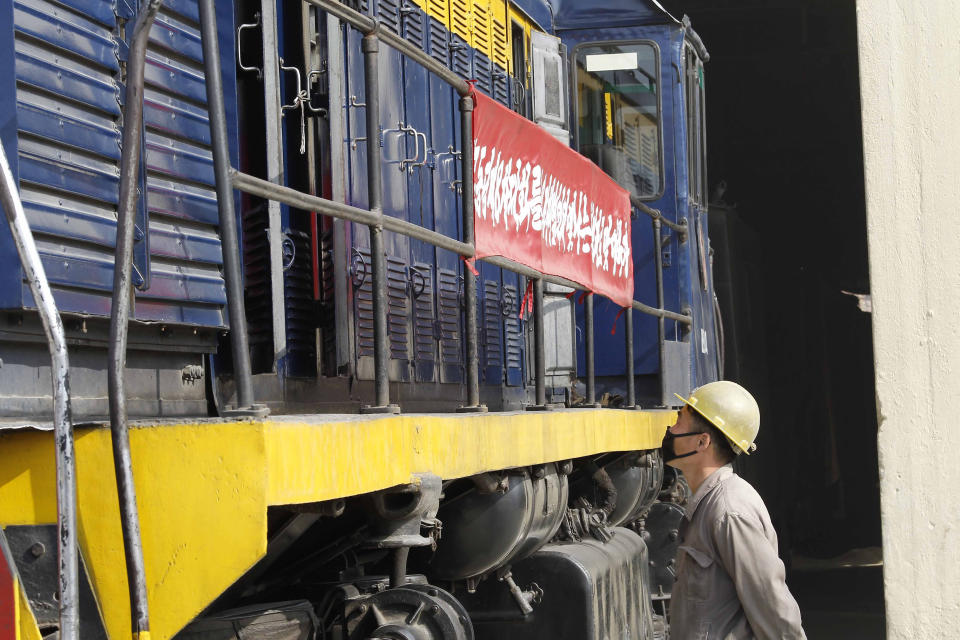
[{"x": 718, "y": 441}]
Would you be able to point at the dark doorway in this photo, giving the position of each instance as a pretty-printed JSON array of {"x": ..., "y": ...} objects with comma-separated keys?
[{"x": 784, "y": 135}]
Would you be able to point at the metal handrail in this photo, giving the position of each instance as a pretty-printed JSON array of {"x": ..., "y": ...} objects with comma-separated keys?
[
  {"x": 377, "y": 221},
  {"x": 269, "y": 190},
  {"x": 131, "y": 141},
  {"x": 655, "y": 214},
  {"x": 369, "y": 26},
  {"x": 68, "y": 585}
]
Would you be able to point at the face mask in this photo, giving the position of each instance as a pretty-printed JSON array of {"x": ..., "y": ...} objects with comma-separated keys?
[{"x": 668, "y": 451}]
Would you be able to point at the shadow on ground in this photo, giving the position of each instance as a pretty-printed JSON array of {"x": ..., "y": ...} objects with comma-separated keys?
[{"x": 840, "y": 604}]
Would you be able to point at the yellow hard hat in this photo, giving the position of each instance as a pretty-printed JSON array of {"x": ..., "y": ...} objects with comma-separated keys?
[{"x": 731, "y": 409}]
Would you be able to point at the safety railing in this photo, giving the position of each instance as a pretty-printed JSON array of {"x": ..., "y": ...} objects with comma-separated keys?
[{"x": 228, "y": 178}]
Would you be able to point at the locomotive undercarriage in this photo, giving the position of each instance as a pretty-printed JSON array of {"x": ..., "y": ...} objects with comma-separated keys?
[{"x": 551, "y": 550}]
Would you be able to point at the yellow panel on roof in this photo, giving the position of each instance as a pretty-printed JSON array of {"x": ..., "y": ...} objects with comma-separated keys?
[
  {"x": 481, "y": 24},
  {"x": 439, "y": 10},
  {"x": 499, "y": 37},
  {"x": 461, "y": 19}
]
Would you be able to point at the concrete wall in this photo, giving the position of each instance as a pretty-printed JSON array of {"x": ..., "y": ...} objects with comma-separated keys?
[{"x": 910, "y": 88}]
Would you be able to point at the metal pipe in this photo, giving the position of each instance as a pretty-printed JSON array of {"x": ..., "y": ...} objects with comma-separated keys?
[
  {"x": 67, "y": 584},
  {"x": 370, "y": 26},
  {"x": 398, "y": 574},
  {"x": 631, "y": 391},
  {"x": 370, "y": 46},
  {"x": 682, "y": 229},
  {"x": 120, "y": 316},
  {"x": 469, "y": 280},
  {"x": 588, "y": 350},
  {"x": 228, "y": 222},
  {"x": 265, "y": 189},
  {"x": 273, "y": 157},
  {"x": 540, "y": 360},
  {"x": 661, "y": 331}
]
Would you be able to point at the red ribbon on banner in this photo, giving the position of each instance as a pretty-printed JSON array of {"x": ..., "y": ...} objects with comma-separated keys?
[
  {"x": 539, "y": 203},
  {"x": 526, "y": 304},
  {"x": 470, "y": 262},
  {"x": 613, "y": 329}
]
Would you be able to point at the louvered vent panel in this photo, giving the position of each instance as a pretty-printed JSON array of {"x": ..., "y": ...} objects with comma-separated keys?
[
  {"x": 501, "y": 87},
  {"x": 424, "y": 323},
  {"x": 388, "y": 13},
  {"x": 492, "y": 343},
  {"x": 461, "y": 16},
  {"x": 448, "y": 313},
  {"x": 483, "y": 72},
  {"x": 65, "y": 62},
  {"x": 181, "y": 197},
  {"x": 481, "y": 25},
  {"x": 363, "y": 6},
  {"x": 298, "y": 303},
  {"x": 413, "y": 30},
  {"x": 68, "y": 92},
  {"x": 439, "y": 45},
  {"x": 398, "y": 317},
  {"x": 460, "y": 57},
  {"x": 499, "y": 38},
  {"x": 327, "y": 319},
  {"x": 439, "y": 10},
  {"x": 363, "y": 301},
  {"x": 513, "y": 337},
  {"x": 256, "y": 270}
]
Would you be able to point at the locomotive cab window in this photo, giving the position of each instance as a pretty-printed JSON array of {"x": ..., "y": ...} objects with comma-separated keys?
[{"x": 618, "y": 113}]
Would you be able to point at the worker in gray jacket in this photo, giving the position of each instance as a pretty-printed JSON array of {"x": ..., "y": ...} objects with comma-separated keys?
[{"x": 730, "y": 580}]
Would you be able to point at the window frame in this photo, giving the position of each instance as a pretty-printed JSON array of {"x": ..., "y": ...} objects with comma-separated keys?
[
  {"x": 695, "y": 108},
  {"x": 575, "y": 121}
]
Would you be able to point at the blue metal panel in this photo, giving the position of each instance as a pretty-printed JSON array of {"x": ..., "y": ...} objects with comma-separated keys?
[
  {"x": 444, "y": 127},
  {"x": 355, "y": 149},
  {"x": 65, "y": 67},
  {"x": 80, "y": 131},
  {"x": 44, "y": 69},
  {"x": 73, "y": 33},
  {"x": 184, "y": 245},
  {"x": 68, "y": 90},
  {"x": 102, "y": 12},
  {"x": 576, "y": 14},
  {"x": 539, "y": 11},
  {"x": 396, "y": 146},
  {"x": 417, "y": 105},
  {"x": 672, "y": 202}
]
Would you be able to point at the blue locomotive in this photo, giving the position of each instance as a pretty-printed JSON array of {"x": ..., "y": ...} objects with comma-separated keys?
[{"x": 336, "y": 140}]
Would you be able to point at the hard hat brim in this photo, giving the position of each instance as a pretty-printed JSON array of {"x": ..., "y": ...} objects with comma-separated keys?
[{"x": 710, "y": 420}]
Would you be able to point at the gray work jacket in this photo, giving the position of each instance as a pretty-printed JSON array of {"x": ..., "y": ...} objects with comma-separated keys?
[{"x": 730, "y": 580}]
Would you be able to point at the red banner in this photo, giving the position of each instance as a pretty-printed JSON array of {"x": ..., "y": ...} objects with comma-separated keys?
[{"x": 538, "y": 202}]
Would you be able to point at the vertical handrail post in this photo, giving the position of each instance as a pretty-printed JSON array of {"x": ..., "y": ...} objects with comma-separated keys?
[
  {"x": 370, "y": 45},
  {"x": 129, "y": 196},
  {"x": 539, "y": 352},
  {"x": 67, "y": 584},
  {"x": 588, "y": 351},
  {"x": 469, "y": 280},
  {"x": 232, "y": 276},
  {"x": 631, "y": 382},
  {"x": 661, "y": 331}
]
